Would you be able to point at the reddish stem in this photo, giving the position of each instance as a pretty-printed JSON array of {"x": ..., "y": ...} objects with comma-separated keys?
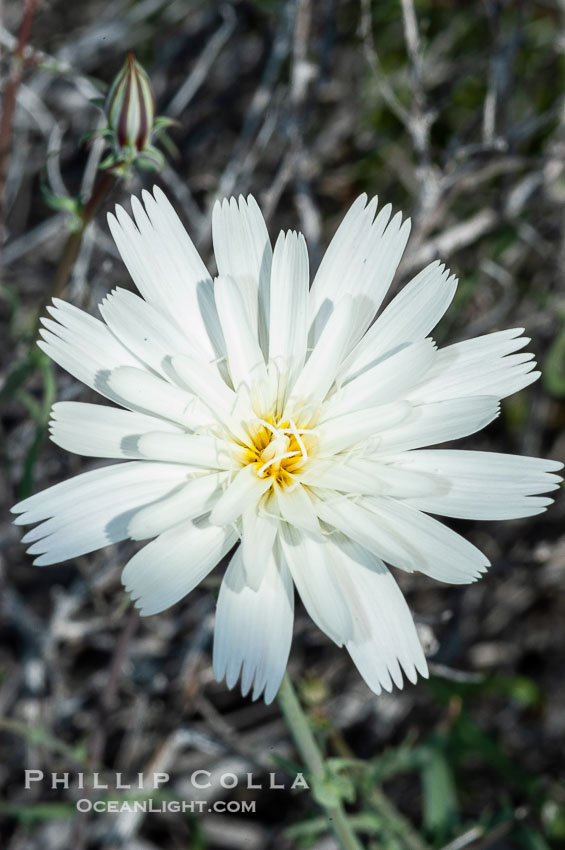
[
  {"x": 73, "y": 243},
  {"x": 9, "y": 104}
]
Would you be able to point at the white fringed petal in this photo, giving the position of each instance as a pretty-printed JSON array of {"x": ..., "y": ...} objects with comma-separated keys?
[
  {"x": 410, "y": 316},
  {"x": 254, "y": 627},
  {"x": 485, "y": 365},
  {"x": 376, "y": 424},
  {"x": 311, "y": 565},
  {"x": 244, "y": 491},
  {"x": 430, "y": 424},
  {"x": 82, "y": 345},
  {"x": 288, "y": 327},
  {"x": 390, "y": 641},
  {"x": 147, "y": 393},
  {"x": 318, "y": 375},
  {"x": 144, "y": 330},
  {"x": 168, "y": 568},
  {"x": 258, "y": 533},
  {"x": 243, "y": 251},
  {"x": 246, "y": 362},
  {"x": 361, "y": 261},
  {"x": 93, "y": 509},
  {"x": 167, "y": 269},
  {"x": 195, "y": 450},
  {"x": 404, "y": 537},
  {"x": 389, "y": 380},
  {"x": 192, "y": 499},
  {"x": 296, "y": 508},
  {"x": 361, "y": 476},
  {"x": 94, "y": 430},
  {"x": 480, "y": 485}
]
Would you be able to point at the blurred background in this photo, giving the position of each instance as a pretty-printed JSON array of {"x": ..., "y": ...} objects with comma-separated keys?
[{"x": 455, "y": 113}]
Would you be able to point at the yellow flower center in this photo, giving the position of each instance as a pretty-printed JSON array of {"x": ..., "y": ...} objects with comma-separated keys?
[{"x": 279, "y": 450}]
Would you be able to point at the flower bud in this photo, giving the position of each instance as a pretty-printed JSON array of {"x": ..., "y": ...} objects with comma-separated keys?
[{"x": 130, "y": 106}]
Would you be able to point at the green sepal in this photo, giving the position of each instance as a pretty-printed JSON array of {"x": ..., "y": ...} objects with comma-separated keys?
[
  {"x": 150, "y": 159},
  {"x": 110, "y": 161},
  {"x": 162, "y": 122},
  {"x": 63, "y": 203}
]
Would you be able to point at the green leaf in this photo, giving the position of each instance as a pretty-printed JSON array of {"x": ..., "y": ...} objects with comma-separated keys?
[
  {"x": 324, "y": 792},
  {"x": 11, "y": 296},
  {"x": 291, "y": 767},
  {"x": 62, "y": 203},
  {"x": 330, "y": 790},
  {"x": 336, "y": 765},
  {"x": 163, "y": 121},
  {"x": 41, "y": 737},
  {"x": 554, "y": 366},
  {"x": 344, "y": 787},
  {"x": 16, "y": 378},
  {"x": 314, "y": 827},
  {"x": 531, "y": 839},
  {"x": 440, "y": 807},
  {"x": 521, "y": 689},
  {"x": 31, "y": 812},
  {"x": 34, "y": 409},
  {"x": 406, "y": 758},
  {"x": 101, "y": 133},
  {"x": 110, "y": 161},
  {"x": 471, "y": 738},
  {"x": 553, "y": 816}
]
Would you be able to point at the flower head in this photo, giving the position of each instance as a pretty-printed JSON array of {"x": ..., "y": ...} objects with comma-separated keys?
[
  {"x": 131, "y": 126},
  {"x": 256, "y": 412},
  {"x": 130, "y": 105}
]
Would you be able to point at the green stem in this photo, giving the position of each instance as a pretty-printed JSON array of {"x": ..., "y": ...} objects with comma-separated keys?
[
  {"x": 72, "y": 246},
  {"x": 71, "y": 250},
  {"x": 308, "y": 748}
]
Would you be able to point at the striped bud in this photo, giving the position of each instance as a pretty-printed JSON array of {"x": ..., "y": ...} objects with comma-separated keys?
[{"x": 130, "y": 106}]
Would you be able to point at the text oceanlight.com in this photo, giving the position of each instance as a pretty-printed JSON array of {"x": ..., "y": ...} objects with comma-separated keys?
[{"x": 162, "y": 806}]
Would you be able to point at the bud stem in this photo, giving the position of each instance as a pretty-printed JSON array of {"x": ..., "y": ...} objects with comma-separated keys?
[
  {"x": 102, "y": 187},
  {"x": 9, "y": 103}
]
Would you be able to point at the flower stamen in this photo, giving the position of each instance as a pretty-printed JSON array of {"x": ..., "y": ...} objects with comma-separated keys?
[
  {"x": 275, "y": 459},
  {"x": 296, "y": 434}
]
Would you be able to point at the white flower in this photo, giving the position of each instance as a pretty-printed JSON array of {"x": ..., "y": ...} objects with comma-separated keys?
[{"x": 256, "y": 411}]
